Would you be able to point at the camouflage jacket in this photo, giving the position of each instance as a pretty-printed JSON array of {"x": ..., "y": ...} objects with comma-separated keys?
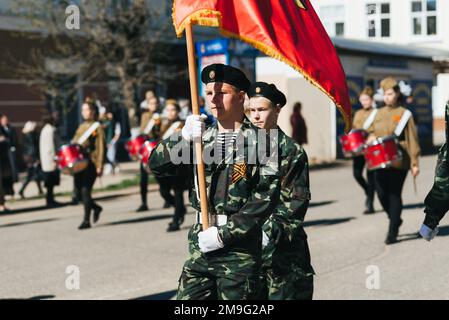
[
  {"x": 239, "y": 186},
  {"x": 287, "y": 250},
  {"x": 437, "y": 201}
]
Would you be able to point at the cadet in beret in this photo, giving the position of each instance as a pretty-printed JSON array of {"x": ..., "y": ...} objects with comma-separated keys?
[
  {"x": 390, "y": 181},
  {"x": 225, "y": 260},
  {"x": 437, "y": 201},
  {"x": 286, "y": 269}
]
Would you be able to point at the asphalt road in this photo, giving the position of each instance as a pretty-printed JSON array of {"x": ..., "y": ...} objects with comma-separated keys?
[{"x": 129, "y": 255}]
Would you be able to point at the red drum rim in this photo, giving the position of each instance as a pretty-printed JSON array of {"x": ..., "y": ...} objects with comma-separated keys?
[
  {"x": 382, "y": 140},
  {"x": 68, "y": 145}
]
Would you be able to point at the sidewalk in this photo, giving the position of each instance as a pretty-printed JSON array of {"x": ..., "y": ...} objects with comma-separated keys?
[{"x": 128, "y": 173}]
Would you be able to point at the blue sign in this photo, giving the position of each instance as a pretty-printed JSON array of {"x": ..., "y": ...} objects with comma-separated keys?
[{"x": 212, "y": 47}]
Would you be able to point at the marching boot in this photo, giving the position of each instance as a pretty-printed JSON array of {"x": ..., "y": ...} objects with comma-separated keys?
[
  {"x": 84, "y": 225},
  {"x": 143, "y": 207},
  {"x": 393, "y": 231},
  {"x": 173, "y": 226},
  {"x": 369, "y": 206},
  {"x": 166, "y": 205},
  {"x": 97, "y": 211}
]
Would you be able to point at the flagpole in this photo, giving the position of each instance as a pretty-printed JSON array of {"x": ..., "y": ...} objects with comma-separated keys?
[{"x": 196, "y": 110}]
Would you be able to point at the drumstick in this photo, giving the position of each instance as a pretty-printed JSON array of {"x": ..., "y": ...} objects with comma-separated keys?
[{"x": 414, "y": 186}]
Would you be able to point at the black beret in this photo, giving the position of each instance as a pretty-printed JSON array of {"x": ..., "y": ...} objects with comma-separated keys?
[
  {"x": 223, "y": 73},
  {"x": 269, "y": 91}
]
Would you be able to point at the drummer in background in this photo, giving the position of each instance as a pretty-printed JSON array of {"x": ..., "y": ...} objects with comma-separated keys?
[
  {"x": 390, "y": 181},
  {"x": 363, "y": 121},
  {"x": 94, "y": 145},
  {"x": 148, "y": 110},
  {"x": 170, "y": 125}
]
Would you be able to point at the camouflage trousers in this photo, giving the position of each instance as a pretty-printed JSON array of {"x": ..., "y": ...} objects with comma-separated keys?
[
  {"x": 218, "y": 275},
  {"x": 292, "y": 286}
]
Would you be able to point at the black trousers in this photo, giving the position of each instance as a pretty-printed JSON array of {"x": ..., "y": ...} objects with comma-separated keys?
[
  {"x": 389, "y": 185},
  {"x": 51, "y": 179},
  {"x": 84, "y": 182},
  {"x": 143, "y": 184},
  {"x": 368, "y": 186},
  {"x": 166, "y": 184},
  {"x": 32, "y": 175}
]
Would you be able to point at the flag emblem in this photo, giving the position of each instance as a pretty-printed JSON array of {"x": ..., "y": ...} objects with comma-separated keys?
[{"x": 301, "y": 4}]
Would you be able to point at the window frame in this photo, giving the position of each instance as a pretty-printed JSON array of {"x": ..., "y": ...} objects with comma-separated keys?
[
  {"x": 378, "y": 17},
  {"x": 423, "y": 15},
  {"x": 330, "y": 22}
]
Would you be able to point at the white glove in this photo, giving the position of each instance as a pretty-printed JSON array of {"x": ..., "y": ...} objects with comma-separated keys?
[
  {"x": 264, "y": 239},
  {"x": 210, "y": 240},
  {"x": 428, "y": 233},
  {"x": 194, "y": 127}
]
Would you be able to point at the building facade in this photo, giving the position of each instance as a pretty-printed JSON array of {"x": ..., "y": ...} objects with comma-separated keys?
[{"x": 414, "y": 23}]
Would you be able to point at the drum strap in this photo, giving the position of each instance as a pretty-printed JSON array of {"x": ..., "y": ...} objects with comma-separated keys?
[
  {"x": 402, "y": 123},
  {"x": 150, "y": 124},
  {"x": 88, "y": 132},
  {"x": 369, "y": 121},
  {"x": 171, "y": 130}
]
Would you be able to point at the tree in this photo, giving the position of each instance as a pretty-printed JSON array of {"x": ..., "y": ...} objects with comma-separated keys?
[{"x": 128, "y": 40}]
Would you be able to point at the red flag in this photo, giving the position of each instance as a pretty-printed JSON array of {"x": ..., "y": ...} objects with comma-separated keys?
[{"x": 287, "y": 30}]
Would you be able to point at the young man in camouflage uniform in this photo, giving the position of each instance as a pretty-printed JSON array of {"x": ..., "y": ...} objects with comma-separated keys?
[
  {"x": 286, "y": 272},
  {"x": 224, "y": 261},
  {"x": 437, "y": 201}
]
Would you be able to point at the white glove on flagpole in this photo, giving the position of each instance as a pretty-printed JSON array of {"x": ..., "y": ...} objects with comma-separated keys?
[
  {"x": 265, "y": 239},
  {"x": 428, "y": 233},
  {"x": 210, "y": 240},
  {"x": 194, "y": 127}
]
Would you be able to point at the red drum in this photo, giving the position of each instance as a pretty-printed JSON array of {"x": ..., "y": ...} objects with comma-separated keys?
[
  {"x": 145, "y": 151},
  {"x": 382, "y": 153},
  {"x": 133, "y": 145},
  {"x": 353, "y": 143},
  {"x": 72, "y": 159}
]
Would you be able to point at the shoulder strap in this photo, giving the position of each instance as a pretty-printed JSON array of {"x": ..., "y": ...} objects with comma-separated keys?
[
  {"x": 88, "y": 132},
  {"x": 151, "y": 123},
  {"x": 171, "y": 130},
  {"x": 369, "y": 121},
  {"x": 402, "y": 123}
]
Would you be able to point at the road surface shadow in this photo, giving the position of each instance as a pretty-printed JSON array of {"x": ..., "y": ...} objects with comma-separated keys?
[
  {"x": 138, "y": 220},
  {"x": 33, "y": 209},
  {"x": 414, "y": 206},
  {"x": 16, "y": 224},
  {"x": 167, "y": 295},
  {"x": 63, "y": 204},
  {"x": 43, "y": 297},
  {"x": 322, "y": 203},
  {"x": 408, "y": 237},
  {"x": 326, "y": 222}
]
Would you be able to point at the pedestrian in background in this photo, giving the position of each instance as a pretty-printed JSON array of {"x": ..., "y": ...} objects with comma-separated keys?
[
  {"x": 10, "y": 134},
  {"x": 6, "y": 171},
  {"x": 298, "y": 123},
  {"x": 49, "y": 142},
  {"x": 31, "y": 157}
]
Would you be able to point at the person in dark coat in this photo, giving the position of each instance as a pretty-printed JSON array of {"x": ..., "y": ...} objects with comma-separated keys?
[
  {"x": 6, "y": 170},
  {"x": 298, "y": 123},
  {"x": 10, "y": 134},
  {"x": 31, "y": 157}
]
